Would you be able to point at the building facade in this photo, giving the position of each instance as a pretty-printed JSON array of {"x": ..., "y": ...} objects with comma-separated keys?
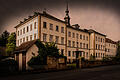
[
  {"x": 97, "y": 44},
  {"x": 68, "y": 38},
  {"x": 111, "y": 48}
]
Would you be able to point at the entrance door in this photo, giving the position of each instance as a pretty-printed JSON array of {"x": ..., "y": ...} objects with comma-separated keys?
[{"x": 23, "y": 61}]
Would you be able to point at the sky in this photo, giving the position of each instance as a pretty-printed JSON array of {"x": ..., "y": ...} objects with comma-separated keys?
[{"x": 100, "y": 15}]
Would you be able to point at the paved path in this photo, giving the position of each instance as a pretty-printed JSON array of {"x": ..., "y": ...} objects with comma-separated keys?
[{"x": 99, "y": 73}]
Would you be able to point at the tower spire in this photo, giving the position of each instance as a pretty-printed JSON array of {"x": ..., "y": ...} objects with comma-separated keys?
[{"x": 67, "y": 17}]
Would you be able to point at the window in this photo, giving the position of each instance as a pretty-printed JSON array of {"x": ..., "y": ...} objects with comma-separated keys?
[
  {"x": 18, "y": 42},
  {"x": 101, "y": 47},
  {"x": 23, "y": 30},
  {"x": 80, "y": 45},
  {"x": 77, "y": 44},
  {"x": 30, "y": 37},
  {"x": 34, "y": 36},
  {"x": 87, "y": 54},
  {"x": 27, "y": 38},
  {"x": 69, "y": 34},
  {"x": 69, "y": 53},
  {"x": 73, "y": 42},
  {"x": 77, "y": 35},
  {"x": 62, "y": 29},
  {"x": 62, "y": 51},
  {"x": 27, "y": 28},
  {"x": 96, "y": 55},
  {"x": 34, "y": 25},
  {"x": 83, "y": 54},
  {"x": 80, "y": 36},
  {"x": 73, "y": 35},
  {"x": 31, "y": 27},
  {"x": 57, "y": 39},
  {"x": 18, "y": 33},
  {"x": 51, "y": 38},
  {"x": 44, "y": 37},
  {"x": 57, "y": 28},
  {"x": 87, "y": 38},
  {"x": 101, "y": 39},
  {"x": 96, "y": 38},
  {"x": 44, "y": 25},
  {"x": 84, "y": 37},
  {"x": 87, "y": 46},
  {"x": 51, "y": 26},
  {"x": 83, "y": 45},
  {"x": 103, "y": 55},
  {"x": 73, "y": 54},
  {"x": 69, "y": 43},
  {"x": 23, "y": 39},
  {"x": 62, "y": 40},
  {"x": 96, "y": 46}
]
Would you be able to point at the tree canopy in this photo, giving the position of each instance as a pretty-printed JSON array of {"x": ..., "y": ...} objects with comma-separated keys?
[
  {"x": 47, "y": 49},
  {"x": 3, "y": 38},
  {"x": 10, "y": 46}
]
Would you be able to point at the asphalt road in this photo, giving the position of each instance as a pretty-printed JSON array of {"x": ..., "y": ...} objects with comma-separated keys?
[{"x": 98, "y": 73}]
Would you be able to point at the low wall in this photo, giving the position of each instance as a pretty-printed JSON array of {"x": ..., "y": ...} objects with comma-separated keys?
[
  {"x": 52, "y": 64},
  {"x": 96, "y": 63},
  {"x": 56, "y": 63}
]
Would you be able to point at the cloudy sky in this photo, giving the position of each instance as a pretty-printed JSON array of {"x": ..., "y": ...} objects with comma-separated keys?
[{"x": 102, "y": 15}]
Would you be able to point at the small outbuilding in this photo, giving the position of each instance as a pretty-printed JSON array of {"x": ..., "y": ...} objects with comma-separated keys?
[
  {"x": 24, "y": 53},
  {"x": 27, "y": 50}
]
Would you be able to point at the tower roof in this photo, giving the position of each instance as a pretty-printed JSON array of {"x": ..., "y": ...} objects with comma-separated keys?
[{"x": 67, "y": 17}]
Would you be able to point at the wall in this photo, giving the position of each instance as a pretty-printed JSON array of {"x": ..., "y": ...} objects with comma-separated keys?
[
  {"x": 75, "y": 39},
  {"x": 111, "y": 49},
  {"x": 53, "y": 32},
  {"x": 98, "y": 53},
  {"x": 20, "y": 61},
  {"x": 27, "y": 33},
  {"x": 29, "y": 54}
]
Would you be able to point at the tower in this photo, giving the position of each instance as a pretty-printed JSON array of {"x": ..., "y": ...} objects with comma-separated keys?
[{"x": 67, "y": 17}]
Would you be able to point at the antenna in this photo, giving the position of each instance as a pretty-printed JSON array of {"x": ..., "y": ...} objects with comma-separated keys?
[{"x": 44, "y": 11}]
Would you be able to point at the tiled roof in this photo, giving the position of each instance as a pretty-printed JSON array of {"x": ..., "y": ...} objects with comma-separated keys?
[
  {"x": 91, "y": 31},
  {"x": 51, "y": 17},
  {"x": 110, "y": 41},
  {"x": 83, "y": 30},
  {"x": 35, "y": 15},
  {"x": 25, "y": 46}
]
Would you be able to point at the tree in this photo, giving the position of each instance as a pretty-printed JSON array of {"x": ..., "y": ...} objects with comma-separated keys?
[
  {"x": 52, "y": 49},
  {"x": 44, "y": 50},
  {"x": 3, "y": 38},
  {"x": 10, "y": 46}
]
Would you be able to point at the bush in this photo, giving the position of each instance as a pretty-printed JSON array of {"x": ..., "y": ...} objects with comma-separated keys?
[
  {"x": 37, "y": 60},
  {"x": 9, "y": 65},
  {"x": 44, "y": 50}
]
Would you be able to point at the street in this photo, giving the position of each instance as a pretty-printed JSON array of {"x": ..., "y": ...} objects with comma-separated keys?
[{"x": 98, "y": 73}]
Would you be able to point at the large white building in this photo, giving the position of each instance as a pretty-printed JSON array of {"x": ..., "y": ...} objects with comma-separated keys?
[{"x": 69, "y": 38}]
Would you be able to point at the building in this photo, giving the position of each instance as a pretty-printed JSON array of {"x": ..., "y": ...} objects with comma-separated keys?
[
  {"x": 111, "y": 48},
  {"x": 69, "y": 38},
  {"x": 97, "y": 44}
]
